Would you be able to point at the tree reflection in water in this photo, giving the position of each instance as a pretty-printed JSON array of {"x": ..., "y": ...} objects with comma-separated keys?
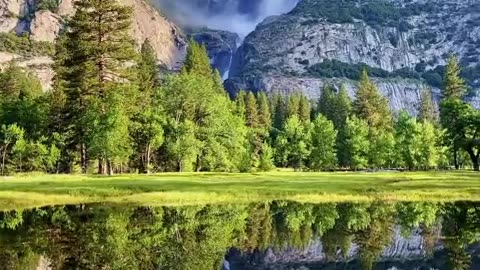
[{"x": 199, "y": 237}]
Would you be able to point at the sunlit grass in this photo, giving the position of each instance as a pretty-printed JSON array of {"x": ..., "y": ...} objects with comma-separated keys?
[{"x": 27, "y": 191}]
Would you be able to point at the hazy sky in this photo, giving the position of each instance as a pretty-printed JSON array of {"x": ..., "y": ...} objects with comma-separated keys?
[{"x": 229, "y": 19}]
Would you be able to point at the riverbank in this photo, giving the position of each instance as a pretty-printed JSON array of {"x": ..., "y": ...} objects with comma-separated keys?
[{"x": 28, "y": 191}]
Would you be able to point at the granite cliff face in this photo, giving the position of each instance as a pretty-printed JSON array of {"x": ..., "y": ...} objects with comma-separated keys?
[
  {"x": 43, "y": 26},
  {"x": 404, "y": 43}
]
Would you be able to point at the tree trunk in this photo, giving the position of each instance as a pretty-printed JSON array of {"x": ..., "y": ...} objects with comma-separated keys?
[
  {"x": 109, "y": 167},
  {"x": 83, "y": 158},
  {"x": 198, "y": 167},
  {"x": 455, "y": 158},
  {"x": 475, "y": 159},
  {"x": 100, "y": 166},
  {"x": 3, "y": 160},
  {"x": 147, "y": 158}
]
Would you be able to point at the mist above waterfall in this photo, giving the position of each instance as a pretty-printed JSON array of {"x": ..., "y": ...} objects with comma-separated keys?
[{"x": 238, "y": 16}]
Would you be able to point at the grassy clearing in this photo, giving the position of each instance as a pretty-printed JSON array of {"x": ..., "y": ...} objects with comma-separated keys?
[{"x": 195, "y": 188}]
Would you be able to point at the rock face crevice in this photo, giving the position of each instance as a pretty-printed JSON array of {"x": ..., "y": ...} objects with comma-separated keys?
[{"x": 280, "y": 53}]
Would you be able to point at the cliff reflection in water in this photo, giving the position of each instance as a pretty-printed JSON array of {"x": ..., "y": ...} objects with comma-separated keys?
[{"x": 276, "y": 235}]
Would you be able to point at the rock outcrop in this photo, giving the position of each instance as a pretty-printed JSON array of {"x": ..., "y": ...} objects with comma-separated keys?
[
  {"x": 285, "y": 53},
  {"x": 45, "y": 25}
]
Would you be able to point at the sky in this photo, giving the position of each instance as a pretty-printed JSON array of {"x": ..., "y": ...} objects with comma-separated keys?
[{"x": 187, "y": 13}]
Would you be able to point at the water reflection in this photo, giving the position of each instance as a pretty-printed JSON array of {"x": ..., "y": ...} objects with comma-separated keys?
[{"x": 276, "y": 235}]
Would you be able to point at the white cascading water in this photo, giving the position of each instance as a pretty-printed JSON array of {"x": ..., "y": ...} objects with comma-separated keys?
[
  {"x": 227, "y": 73},
  {"x": 228, "y": 20}
]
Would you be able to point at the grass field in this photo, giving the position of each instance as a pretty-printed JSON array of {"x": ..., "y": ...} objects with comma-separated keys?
[{"x": 192, "y": 188}]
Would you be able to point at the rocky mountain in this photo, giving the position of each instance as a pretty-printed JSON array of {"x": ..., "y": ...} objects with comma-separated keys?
[
  {"x": 28, "y": 29},
  {"x": 403, "y": 43}
]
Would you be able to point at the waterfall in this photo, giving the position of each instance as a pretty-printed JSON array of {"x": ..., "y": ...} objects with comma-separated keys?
[{"x": 227, "y": 73}]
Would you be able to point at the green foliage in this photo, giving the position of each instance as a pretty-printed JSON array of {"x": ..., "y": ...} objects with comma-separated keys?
[
  {"x": 454, "y": 85},
  {"x": 337, "y": 69},
  {"x": 197, "y": 60},
  {"x": 459, "y": 118},
  {"x": 427, "y": 111},
  {"x": 371, "y": 106},
  {"x": 9, "y": 137},
  {"x": 24, "y": 45},
  {"x": 251, "y": 113},
  {"x": 326, "y": 105},
  {"x": 266, "y": 158},
  {"x": 373, "y": 12},
  {"x": 323, "y": 139},
  {"x": 264, "y": 114},
  {"x": 51, "y": 5},
  {"x": 356, "y": 143},
  {"x": 293, "y": 143},
  {"x": 146, "y": 127},
  {"x": 97, "y": 83}
]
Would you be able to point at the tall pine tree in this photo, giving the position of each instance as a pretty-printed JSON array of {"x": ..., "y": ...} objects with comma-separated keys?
[
  {"x": 326, "y": 104},
  {"x": 96, "y": 80},
  {"x": 264, "y": 115},
  {"x": 427, "y": 111},
  {"x": 371, "y": 106},
  {"x": 454, "y": 85},
  {"x": 343, "y": 110},
  {"x": 251, "y": 113},
  {"x": 451, "y": 108}
]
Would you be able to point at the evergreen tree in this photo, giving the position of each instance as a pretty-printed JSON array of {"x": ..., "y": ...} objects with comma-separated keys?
[
  {"x": 197, "y": 60},
  {"x": 427, "y": 111},
  {"x": 304, "y": 110},
  {"x": 279, "y": 111},
  {"x": 326, "y": 104},
  {"x": 240, "y": 106},
  {"x": 97, "y": 81},
  {"x": 343, "y": 109},
  {"x": 251, "y": 113},
  {"x": 454, "y": 85},
  {"x": 451, "y": 108},
  {"x": 148, "y": 73},
  {"x": 293, "y": 105},
  {"x": 264, "y": 114},
  {"x": 371, "y": 106},
  {"x": 324, "y": 135}
]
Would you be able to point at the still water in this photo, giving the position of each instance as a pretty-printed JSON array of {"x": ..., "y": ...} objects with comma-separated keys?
[{"x": 274, "y": 235}]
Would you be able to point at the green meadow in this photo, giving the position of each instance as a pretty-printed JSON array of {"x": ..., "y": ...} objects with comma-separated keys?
[{"x": 28, "y": 191}]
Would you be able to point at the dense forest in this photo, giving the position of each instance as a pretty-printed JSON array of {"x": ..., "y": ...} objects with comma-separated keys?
[{"x": 111, "y": 110}]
